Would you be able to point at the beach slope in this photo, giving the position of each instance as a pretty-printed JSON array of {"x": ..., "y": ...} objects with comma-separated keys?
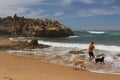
[{"x": 23, "y": 68}]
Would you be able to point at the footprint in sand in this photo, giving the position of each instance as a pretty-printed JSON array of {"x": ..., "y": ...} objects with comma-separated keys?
[{"x": 8, "y": 78}]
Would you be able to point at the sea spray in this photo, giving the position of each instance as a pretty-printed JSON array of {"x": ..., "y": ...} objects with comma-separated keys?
[
  {"x": 61, "y": 56},
  {"x": 106, "y": 42}
]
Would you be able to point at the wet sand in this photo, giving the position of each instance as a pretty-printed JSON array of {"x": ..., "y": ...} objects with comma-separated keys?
[{"x": 14, "y": 67}]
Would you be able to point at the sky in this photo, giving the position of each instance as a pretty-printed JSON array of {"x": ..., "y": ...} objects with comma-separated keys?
[{"x": 76, "y": 14}]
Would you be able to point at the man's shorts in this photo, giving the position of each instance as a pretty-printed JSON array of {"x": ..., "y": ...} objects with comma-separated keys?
[{"x": 91, "y": 54}]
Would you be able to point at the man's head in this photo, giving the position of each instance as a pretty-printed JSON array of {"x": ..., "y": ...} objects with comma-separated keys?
[{"x": 92, "y": 42}]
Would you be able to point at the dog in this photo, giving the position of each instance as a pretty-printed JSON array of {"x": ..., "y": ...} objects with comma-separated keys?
[
  {"x": 101, "y": 60},
  {"x": 79, "y": 62}
]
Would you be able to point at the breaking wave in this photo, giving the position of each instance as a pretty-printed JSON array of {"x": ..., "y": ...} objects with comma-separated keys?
[
  {"x": 82, "y": 46},
  {"x": 96, "y": 32}
]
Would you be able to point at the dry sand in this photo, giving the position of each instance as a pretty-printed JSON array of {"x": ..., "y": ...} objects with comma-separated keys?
[{"x": 23, "y": 68}]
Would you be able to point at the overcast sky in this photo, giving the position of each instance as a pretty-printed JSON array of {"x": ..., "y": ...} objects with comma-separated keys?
[{"x": 77, "y": 14}]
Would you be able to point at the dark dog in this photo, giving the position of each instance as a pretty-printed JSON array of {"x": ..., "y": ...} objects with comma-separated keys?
[{"x": 101, "y": 60}]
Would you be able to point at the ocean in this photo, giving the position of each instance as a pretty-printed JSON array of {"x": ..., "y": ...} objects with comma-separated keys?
[{"x": 106, "y": 42}]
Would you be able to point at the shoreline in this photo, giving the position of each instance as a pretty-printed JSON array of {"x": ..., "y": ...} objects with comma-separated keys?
[
  {"x": 25, "y": 68},
  {"x": 13, "y": 67},
  {"x": 37, "y": 57}
]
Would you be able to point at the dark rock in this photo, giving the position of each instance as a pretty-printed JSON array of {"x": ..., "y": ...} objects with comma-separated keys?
[
  {"x": 20, "y": 26},
  {"x": 76, "y": 52},
  {"x": 18, "y": 45},
  {"x": 34, "y": 42}
]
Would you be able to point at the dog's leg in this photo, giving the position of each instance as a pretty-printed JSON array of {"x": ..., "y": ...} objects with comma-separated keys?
[
  {"x": 96, "y": 62},
  {"x": 74, "y": 66},
  {"x": 84, "y": 67},
  {"x": 103, "y": 62},
  {"x": 81, "y": 67}
]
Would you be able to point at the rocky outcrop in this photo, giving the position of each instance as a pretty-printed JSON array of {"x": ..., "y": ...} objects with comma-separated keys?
[
  {"x": 23, "y": 45},
  {"x": 20, "y": 26},
  {"x": 76, "y": 52},
  {"x": 82, "y": 51}
]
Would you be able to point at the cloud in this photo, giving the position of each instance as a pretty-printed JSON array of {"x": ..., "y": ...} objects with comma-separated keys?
[
  {"x": 21, "y": 8},
  {"x": 39, "y": 13},
  {"x": 6, "y": 11},
  {"x": 5, "y": 3},
  {"x": 58, "y": 14},
  {"x": 106, "y": 1},
  {"x": 66, "y": 2},
  {"x": 98, "y": 12},
  {"x": 88, "y": 1},
  {"x": 97, "y": 1},
  {"x": 23, "y": 11}
]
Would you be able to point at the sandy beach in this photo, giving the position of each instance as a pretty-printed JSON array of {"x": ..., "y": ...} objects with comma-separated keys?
[
  {"x": 14, "y": 67},
  {"x": 20, "y": 68}
]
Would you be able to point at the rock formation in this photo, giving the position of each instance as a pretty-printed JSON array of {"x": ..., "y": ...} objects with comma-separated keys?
[
  {"x": 24, "y": 27},
  {"x": 23, "y": 45}
]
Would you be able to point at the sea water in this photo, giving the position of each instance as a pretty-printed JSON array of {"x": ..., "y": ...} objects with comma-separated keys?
[{"x": 106, "y": 42}]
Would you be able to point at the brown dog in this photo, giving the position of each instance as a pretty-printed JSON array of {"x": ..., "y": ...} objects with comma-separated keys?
[{"x": 79, "y": 62}]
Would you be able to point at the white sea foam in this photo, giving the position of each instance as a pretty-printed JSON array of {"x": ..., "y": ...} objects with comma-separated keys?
[
  {"x": 82, "y": 46},
  {"x": 101, "y": 71},
  {"x": 17, "y": 39},
  {"x": 58, "y": 54},
  {"x": 108, "y": 47},
  {"x": 73, "y": 36},
  {"x": 96, "y": 32},
  {"x": 109, "y": 59},
  {"x": 57, "y": 44},
  {"x": 75, "y": 45}
]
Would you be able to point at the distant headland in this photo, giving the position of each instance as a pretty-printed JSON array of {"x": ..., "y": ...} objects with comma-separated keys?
[{"x": 24, "y": 27}]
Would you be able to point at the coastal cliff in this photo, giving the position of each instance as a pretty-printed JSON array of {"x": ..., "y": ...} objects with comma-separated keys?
[{"x": 23, "y": 27}]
